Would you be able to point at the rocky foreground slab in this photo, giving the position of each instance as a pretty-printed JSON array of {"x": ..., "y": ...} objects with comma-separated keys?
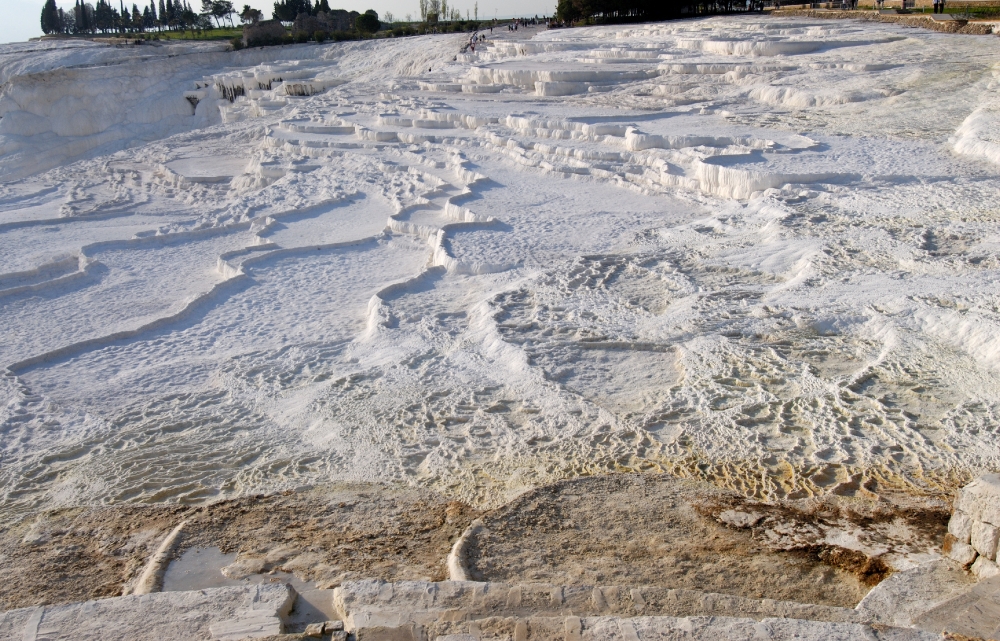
[{"x": 947, "y": 596}]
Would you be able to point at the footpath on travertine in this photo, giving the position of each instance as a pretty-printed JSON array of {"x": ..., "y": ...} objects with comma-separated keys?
[
  {"x": 372, "y": 610},
  {"x": 956, "y": 595},
  {"x": 925, "y": 21},
  {"x": 417, "y": 610},
  {"x": 222, "y": 613}
]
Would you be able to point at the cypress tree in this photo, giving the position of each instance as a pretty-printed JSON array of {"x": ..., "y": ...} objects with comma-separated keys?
[
  {"x": 50, "y": 17},
  {"x": 164, "y": 17},
  {"x": 101, "y": 16}
]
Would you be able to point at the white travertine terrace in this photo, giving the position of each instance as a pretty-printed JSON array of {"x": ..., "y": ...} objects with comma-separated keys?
[{"x": 759, "y": 250}]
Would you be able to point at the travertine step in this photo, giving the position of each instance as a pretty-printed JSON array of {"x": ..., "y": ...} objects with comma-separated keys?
[
  {"x": 907, "y": 595},
  {"x": 973, "y": 613},
  {"x": 609, "y": 628},
  {"x": 937, "y": 596},
  {"x": 225, "y": 614},
  {"x": 373, "y": 603}
]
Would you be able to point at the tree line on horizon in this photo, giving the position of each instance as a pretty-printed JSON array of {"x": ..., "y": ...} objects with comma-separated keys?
[
  {"x": 160, "y": 15},
  {"x": 289, "y": 10}
]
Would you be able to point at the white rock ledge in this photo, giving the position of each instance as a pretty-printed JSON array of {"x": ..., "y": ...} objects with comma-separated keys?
[{"x": 220, "y": 613}]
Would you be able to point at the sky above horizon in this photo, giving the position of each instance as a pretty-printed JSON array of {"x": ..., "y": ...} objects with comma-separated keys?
[{"x": 23, "y": 17}]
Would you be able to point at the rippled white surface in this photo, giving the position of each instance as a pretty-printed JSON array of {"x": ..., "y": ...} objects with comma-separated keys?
[{"x": 761, "y": 251}]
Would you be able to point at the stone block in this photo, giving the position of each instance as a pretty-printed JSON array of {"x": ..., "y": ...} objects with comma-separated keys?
[
  {"x": 983, "y": 568},
  {"x": 340, "y": 20},
  {"x": 739, "y": 519},
  {"x": 983, "y": 492},
  {"x": 967, "y": 503},
  {"x": 271, "y": 597},
  {"x": 308, "y": 24},
  {"x": 165, "y": 616},
  {"x": 985, "y": 538},
  {"x": 573, "y": 627},
  {"x": 962, "y": 553},
  {"x": 960, "y": 526},
  {"x": 262, "y": 32},
  {"x": 318, "y": 630},
  {"x": 908, "y": 594},
  {"x": 250, "y": 624},
  {"x": 600, "y": 604},
  {"x": 640, "y": 603},
  {"x": 991, "y": 513},
  {"x": 380, "y": 633},
  {"x": 628, "y": 630},
  {"x": 454, "y": 615}
]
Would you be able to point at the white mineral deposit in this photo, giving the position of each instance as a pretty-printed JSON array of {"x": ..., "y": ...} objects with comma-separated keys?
[{"x": 767, "y": 244}]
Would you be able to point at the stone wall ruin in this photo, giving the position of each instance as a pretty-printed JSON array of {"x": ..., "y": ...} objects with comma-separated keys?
[
  {"x": 335, "y": 20},
  {"x": 263, "y": 32},
  {"x": 974, "y": 528}
]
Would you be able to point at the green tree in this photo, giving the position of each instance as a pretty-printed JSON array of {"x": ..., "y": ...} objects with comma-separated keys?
[
  {"x": 215, "y": 9},
  {"x": 188, "y": 18},
  {"x": 249, "y": 15},
  {"x": 84, "y": 14},
  {"x": 367, "y": 22},
  {"x": 223, "y": 9},
  {"x": 288, "y": 10},
  {"x": 124, "y": 22},
  {"x": 50, "y": 17},
  {"x": 103, "y": 16},
  {"x": 67, "y": 21}
]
